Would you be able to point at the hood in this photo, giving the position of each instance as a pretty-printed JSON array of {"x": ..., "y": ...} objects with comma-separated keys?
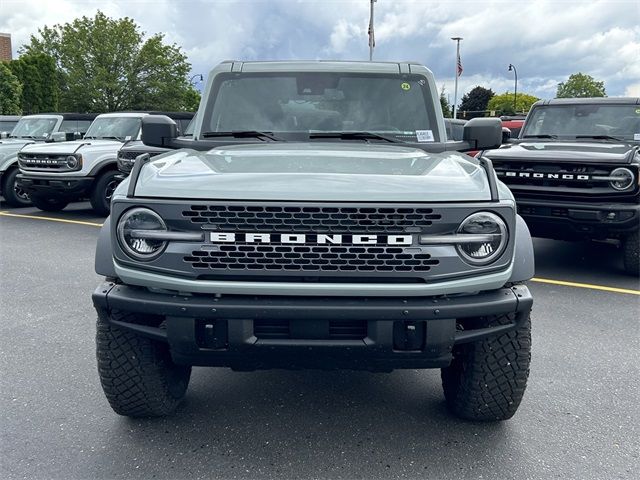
[
  {"x": 14, "y": 143},
  {"x": 77, "y": 146},
  {"x": 314, "y": 172},
  {"x": 583, "y": 152}
]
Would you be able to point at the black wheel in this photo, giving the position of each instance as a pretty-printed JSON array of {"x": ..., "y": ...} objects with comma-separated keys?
[
  {"x": 631, "y": 255},
  {"x": 103, "y": 191},
  {"x": 13, "y": 193},
  {"x": 137, "y": 374},
  {"x": 487, "y": 379},
  {"x": 48, "y": 204}
]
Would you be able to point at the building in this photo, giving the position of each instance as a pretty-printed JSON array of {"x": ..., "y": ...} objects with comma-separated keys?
[{"x": 5, "y": 47}]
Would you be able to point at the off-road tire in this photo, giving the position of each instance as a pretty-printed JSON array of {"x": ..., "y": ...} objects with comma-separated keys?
[
  {"x": 11, "y": 197},
  {"x": 137, "y": 374},
  {"x": 48, "y": 204},
  {"x": 487, "y": 379},
  {"x": 631, "y": 254},
  {"x": 101, "y": 194}
]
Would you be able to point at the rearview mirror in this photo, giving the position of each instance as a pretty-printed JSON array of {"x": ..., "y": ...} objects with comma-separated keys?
[
  {"x": 483, "y": 133},
  {"x": 158, "y": 131}
]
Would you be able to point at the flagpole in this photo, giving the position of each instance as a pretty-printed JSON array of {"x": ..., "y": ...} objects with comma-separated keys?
[
  {"x": 371, "y": 35},
  {"x": 455, "y": 89}
]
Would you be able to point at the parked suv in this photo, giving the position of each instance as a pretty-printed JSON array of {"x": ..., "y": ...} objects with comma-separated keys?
[
  {"x": 55, "y": 175},
  {"x": 574, "y": 171},
  {"x": 7, "y": 123},
  {"x": 54, "y": 127},
  {"x": 316, "y": 218}
]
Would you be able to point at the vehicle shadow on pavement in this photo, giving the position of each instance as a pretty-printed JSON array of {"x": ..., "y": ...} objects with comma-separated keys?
[{"x": 325, "y": 423}]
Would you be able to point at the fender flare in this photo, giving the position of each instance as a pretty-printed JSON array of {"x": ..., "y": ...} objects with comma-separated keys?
[
  {"x": 104, "y": 251},
  {"x": 523, "y": 255}
]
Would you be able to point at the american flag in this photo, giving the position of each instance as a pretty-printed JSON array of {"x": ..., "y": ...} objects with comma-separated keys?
[{"x": 460, "y": 70}]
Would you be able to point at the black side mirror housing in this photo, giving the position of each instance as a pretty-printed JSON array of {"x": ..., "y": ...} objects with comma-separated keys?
[
  {"x": 158, "y": 131},
  {"x": 483, "y": 133}
]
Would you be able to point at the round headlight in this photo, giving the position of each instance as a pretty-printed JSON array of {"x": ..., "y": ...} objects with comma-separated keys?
[
  {"x": 625, "y": 181},
  {"x": 131, "y": 236},
  {"x": 491, "y": 232},
  {"x": 72, "y": 162}
]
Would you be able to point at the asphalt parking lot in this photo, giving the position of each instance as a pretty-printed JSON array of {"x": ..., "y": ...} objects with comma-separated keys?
[{"x": 578, "y": 418}]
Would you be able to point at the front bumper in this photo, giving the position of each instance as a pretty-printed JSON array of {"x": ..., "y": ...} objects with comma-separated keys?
[
  {"x": 257, "y": 332},
  {"x": 64, "y": 186},
  {"x": 566, "y": 220}
]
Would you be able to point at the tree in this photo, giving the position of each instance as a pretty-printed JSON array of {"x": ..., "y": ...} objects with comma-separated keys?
[
  {"x": 475, "y": 101},
  {"x": 107, "y": 65},
  {"x": 503, "y": 103},
  {"x": 446, "y": 107},
  {"x": 10, "y": 92},
  {"x": 581, "y": 85},
  {"x": 192, "y": 100},
  {"x": 38, "y": 75}
]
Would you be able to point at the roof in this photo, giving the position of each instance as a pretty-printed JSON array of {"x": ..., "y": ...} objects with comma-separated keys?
[
  {"x": 67, "y": 115},
  {"x": 591, "y": 101},
  {"x": 174, "y": 115},
  {"x": 10, "y": 117},
  {"x": 322, "y": 66}
]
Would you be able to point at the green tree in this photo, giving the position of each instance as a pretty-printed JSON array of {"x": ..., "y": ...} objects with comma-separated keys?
[
  {"x": 475, "y": 101},
  {"x": 10, "y": 92},
  {"x": 581, "y": 85},
  {"x": 107, "y": 65},
  {"x": 192, "y": 100},
  {"x": 503, "y": 103},
  {"x": 38, "y": 75},
  {"x": 446, "y": 107}
]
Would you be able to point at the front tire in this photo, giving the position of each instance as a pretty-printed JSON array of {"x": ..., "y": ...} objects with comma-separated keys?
[
  {"x": 13, "y": 193},
  {"x": 103, "y": 191},
  {"x": 631, "y": 254},
  {"x": 49, "y": 204},
  {"x": 487, "y": 379},
  {"x": 137, "y": 374}
]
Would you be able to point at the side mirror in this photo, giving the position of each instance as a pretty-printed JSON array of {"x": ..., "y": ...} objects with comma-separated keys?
[
  {"x": 4, "y": 135},
  {"x": 506, "y": 135},
  {"x": 57, "y": 137},
  {"x": 158, "y": 131},
  {"x": 483, "y": 133},
  {"x": 77, "y": 136}
]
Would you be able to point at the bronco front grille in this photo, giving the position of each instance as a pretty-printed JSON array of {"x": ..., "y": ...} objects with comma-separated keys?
[
  {"x": 43, "y": 162},
  {"x": 319, "y": 219},
  {"x": 312, "y": 258}
]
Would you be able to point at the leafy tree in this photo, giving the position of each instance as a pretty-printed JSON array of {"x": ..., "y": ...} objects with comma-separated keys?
[
  {"x": 107, "y": 65},
  {"x": 10, "y": 92},
  {"x": 40, "y": 82},
  {"x": 581, "y": 85},
  {"x": 192, "y": 100},
  {"x": 503, "y": 103},
  {"x": 446, "y": 107},
  {"x": 475, "y": 101}
]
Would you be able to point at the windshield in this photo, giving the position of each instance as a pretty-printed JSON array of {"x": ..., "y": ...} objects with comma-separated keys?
[
  {"x": 620, "y": 121},
  {"x": 323, "y": 102},
  {"x": 114, "y": 128},
  {"x": 7, "y": 125},
  {"x": 34, "y": 127}
]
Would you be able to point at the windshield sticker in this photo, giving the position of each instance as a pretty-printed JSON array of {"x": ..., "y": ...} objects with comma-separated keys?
[
  {"x": 424, "y": 136},
  {"x": 405, "y": 86},
  {"x": 127, "y": 138},
  {"x": 638, "y": 111},
  {"x": 636, "y": 136}
]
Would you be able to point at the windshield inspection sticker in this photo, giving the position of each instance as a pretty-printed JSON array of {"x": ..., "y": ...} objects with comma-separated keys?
[
  {"x": 636, "y": 136},
  {"x": 424, "y": 135},
  {"x": 405, "y": 86}
]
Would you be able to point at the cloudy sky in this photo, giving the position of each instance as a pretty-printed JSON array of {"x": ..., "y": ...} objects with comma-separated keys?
[{"x": 546, "y": 40}]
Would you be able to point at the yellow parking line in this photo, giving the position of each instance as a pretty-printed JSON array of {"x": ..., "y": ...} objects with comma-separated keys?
[
  {"x": 604, "y": 288},
  {"x": 563, "y": 283},
  {"x": 61, "y": 220}
]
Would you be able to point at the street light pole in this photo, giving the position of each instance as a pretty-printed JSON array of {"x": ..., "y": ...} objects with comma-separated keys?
[
  {"x": 515, "y": 88},
  {"x": 372, "y": 38},
  {"x": 457, "y": 74},
  {"x": 195, "y": 76}
]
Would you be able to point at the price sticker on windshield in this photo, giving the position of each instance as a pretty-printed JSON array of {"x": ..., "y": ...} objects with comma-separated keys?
[
  {"x": 424, "y": 135},
  {"x": 636, "y": 137}
]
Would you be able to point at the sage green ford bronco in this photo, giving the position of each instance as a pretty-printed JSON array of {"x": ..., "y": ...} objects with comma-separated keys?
[{"x": 318, "y": 217}]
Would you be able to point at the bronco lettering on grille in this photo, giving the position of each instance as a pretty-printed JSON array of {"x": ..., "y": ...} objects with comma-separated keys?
[
  {"x": 546, "y": 176},
  {"x": 304, "y": 238}
]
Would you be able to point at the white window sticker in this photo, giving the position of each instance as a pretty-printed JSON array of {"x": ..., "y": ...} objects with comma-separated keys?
[
  {"x": 424, "y": 135},
  {"x": 636, "y": 136}
]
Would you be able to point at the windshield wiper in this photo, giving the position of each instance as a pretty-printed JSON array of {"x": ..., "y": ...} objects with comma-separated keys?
[
  {"x": 244, "y": 134},
  {"x": 354, "y": 136},
  {"x": 546, "y": 135},
  {"x": 600, "y": 137}
]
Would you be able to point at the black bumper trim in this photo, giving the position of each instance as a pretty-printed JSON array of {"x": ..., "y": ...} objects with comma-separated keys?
[
  {"x": 61, "y": 185},
  {"x": 243, "y": 351}
]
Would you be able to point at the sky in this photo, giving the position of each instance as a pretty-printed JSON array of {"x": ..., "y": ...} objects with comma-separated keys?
[{"x": 546, "y": 40}]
